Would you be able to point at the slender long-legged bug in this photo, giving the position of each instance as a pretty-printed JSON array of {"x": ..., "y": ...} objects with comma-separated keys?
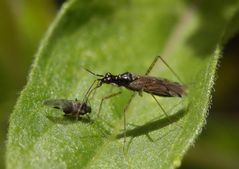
[
  {"x": 143, "y": 83},
  {"x": 71, "y": 108}
]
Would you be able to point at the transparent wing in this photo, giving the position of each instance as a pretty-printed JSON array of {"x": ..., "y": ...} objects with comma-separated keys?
[
  {"x": 59, "y": 103},
  {"x": 157, "y": 86}
]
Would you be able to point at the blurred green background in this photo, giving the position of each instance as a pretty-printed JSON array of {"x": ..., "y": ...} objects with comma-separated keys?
[{"x": 23, "y": 24}]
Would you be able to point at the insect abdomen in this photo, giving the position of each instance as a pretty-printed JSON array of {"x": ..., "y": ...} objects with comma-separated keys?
[{"x": 157, "y": 86}]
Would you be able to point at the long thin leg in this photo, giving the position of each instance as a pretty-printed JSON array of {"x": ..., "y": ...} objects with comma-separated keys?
[
  {"x": 170, "y": 68},
  {"x": 125, "y": 109},
  {"x": 78, "y": 112},
  {"x": 89, "y": 90},
  {"x": 152, "y": 65},
  {"x": 107, "y": 97},
  {"x": 93, "y": 91},
  {"x": 161, "y": 107},
  {"x": 85, "y": 99}
]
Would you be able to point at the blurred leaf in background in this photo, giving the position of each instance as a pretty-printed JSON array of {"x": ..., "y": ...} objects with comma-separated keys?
[
  {"x": 218, "y": 146},
  {"x": 21, "y": 27}
]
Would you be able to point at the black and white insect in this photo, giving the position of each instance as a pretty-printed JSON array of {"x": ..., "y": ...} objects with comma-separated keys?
[
  {"x": 71, "y": 108},
  {"x": 141, "y": 83}
]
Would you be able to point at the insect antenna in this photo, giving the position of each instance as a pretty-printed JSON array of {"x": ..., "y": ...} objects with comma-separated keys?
[{"x": 95, "y": 74}]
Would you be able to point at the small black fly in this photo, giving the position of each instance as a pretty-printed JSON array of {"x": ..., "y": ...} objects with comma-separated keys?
[{"x": 71, "y": 108}]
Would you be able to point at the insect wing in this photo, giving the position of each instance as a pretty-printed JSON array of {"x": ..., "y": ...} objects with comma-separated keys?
[
  {"x": 157, "y": 86},
  {"x": 59, "y": 103}
]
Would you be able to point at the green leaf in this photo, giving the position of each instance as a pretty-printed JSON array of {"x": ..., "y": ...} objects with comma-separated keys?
[{"x": 119, "y": 36}]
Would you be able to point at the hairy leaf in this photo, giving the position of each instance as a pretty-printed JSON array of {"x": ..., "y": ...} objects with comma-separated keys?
[{"x": 119, "y": 36}]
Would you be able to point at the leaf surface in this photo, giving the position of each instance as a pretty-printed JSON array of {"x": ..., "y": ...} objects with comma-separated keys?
[{"x": 119, "y": 36}]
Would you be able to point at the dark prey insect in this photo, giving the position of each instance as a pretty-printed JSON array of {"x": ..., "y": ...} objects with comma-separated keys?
[
  {"x": 143, "y": 83},
  {"x": 71, "y": 108}
]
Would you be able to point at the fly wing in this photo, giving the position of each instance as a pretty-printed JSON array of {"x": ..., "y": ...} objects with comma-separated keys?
[
  {"x": 65, "y": 105},
  {"x": 157, "y": 86}
]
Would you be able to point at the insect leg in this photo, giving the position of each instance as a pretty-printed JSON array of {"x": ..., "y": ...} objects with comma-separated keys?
[
  {"x": 161, "y": 107},
  {"x": 78, "y": 113},
  {"x": 85, "y": 99},
  {"x": 170, "y": 68},
  {"x": 152, "y": 65},
  {"x": 125, "y": 109},
  {"x": 107, "y": 97},
  {"x": 88, "y": 92},
  {"x": 93, "y": 91}
]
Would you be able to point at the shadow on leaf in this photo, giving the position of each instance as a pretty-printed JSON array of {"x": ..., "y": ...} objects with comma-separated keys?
[{"x": 153, "y": 125}]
